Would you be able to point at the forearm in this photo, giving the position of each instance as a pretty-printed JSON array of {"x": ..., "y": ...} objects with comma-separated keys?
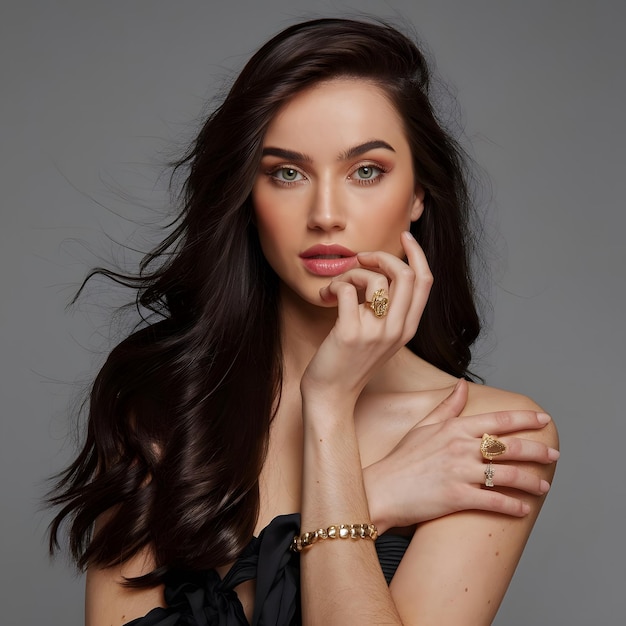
[{"x": 342, "y": 581}]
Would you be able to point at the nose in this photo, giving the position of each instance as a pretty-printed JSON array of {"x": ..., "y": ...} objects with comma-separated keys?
[{"x": 326, "y": 211}]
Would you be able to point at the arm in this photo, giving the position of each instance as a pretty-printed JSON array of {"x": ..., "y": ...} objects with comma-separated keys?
[
  {"x": 341, "y": 580},
  {"x": 443, "y": 477},
  {"x": 458, "y": 567}
]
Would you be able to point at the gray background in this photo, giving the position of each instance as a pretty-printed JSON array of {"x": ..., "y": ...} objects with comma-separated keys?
[{"x": 96, "y": 96}]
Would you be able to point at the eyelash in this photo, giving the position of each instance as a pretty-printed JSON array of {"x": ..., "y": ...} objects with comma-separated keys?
[
  {"x": 369, "y": 181},
  {"x": 284, "y": 183},
  {"x": 360, "y": 181}
]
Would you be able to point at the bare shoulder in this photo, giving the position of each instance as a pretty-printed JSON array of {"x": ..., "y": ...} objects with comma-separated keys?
[
  {"x": 479, "y": 547},
  {"x": 485, "y": 399},
  {"x": 109, "y": 602}
]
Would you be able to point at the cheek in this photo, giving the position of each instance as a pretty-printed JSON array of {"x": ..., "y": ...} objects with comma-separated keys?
[
  {"x": 270, "y": 225},
  {"x": 391, "y": 215},
  {"x": 262, "y": 214},
  {"x": 393, "y": 208}
]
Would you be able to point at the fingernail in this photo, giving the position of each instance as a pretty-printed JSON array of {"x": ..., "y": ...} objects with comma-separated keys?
[
  {"x": 408, "y": 234},
  {"x": 525, "y": 508},
  {"x": 545, "y": 486},
  {"x": 553, "y": 454},
  {"x": 363, "y": 253},
  {"x": 543, "y": 418},
  {"x": 458, "y": 384}
]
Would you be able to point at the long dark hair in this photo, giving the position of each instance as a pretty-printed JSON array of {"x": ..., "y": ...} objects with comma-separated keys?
[{"x": 179, "y": 415}]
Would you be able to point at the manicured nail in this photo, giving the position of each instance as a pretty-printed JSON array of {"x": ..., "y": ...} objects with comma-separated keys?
[
  {"x": 543, "y": 418},
  {"x": 408, "y": 234},
  {"x": 553, "y": 454},
  {"x": 525, "y": 508},
  {"x": 545, "y": 486}
]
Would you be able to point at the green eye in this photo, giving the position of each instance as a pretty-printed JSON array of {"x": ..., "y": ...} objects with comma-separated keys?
[
  {"x": 367, "y": 173},
  {"x": 288, "y": 174}
]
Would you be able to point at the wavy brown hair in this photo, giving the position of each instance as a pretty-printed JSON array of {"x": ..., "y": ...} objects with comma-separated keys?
[{"x": 179, "y": 415}]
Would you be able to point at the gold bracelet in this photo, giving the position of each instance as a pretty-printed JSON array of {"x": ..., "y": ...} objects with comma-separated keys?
[{"x": 343, "y": 531}]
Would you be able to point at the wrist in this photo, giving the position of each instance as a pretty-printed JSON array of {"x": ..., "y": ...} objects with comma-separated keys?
[
  {"x": 331, "y": 393},
  {"x": 327, "y": 407},
  {"x": 376, "y": 507}
]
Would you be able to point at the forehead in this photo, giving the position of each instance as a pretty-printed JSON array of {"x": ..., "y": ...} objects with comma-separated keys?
[{"x": 342, "y": 111}]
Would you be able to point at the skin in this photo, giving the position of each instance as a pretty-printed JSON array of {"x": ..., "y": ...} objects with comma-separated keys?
[{"x": 365, "y": 429}]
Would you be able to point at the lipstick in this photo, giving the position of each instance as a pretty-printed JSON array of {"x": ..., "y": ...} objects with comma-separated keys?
[{"x": 328, "y": 259}]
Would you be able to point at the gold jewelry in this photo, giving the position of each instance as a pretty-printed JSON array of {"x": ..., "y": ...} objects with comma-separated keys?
[
  {"x": 342, "y": 531},
  {"x": 491, "y": 446},
  {"x": 489, "y": 474},
  {"x": 379, "y": 303}
]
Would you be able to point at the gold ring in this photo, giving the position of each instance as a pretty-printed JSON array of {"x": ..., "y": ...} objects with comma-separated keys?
[
  {"x": 379, "y": 303},
  {"x": 489, "y": 474},
  {"x": 491, "y": 446}
]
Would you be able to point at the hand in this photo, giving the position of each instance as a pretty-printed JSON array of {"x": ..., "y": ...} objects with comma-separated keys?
[
  {"x": 359, "y": 343},
  {"x": 437, "y": 468}
]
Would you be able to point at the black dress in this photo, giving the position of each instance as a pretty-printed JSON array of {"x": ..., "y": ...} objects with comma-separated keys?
[{"x": 204, "y": 599}]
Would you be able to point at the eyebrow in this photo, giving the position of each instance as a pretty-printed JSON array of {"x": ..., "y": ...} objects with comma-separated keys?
[
  {"x": 350, "y": 153},
  {"x": 288, "y": 155}
]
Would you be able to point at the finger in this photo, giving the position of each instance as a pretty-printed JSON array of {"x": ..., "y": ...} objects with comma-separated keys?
[
  {"x": 518, "y": 449},
  {"x": 452, "y": 406},
  {"x": 402, "y": 290},
  {"x": 346, "y": 296},
  {"x": 496, "y": 502},
  {"x": 504, "y": 422},
  {"x": 423, "y": 276},
  {"x": 514, "y": 477},
  {"x": 399, "y": 274},
  {"x": 365, "y": 281},
  {"x": 390, "y": 265}
]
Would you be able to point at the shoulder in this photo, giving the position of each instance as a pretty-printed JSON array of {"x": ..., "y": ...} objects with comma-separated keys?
[
  {"x": 488, "y": 398},
  {"x": 108, "y": 601},
  {"x": 485, "y": 399},
  {"x": 463, "y": 592}
]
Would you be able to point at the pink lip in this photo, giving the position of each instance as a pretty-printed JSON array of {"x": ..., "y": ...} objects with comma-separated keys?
[{"x": 316, "y": 260}]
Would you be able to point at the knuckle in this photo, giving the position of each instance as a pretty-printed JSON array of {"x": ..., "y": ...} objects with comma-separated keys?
[
  {"x": 344, "y": 289},
  {"x": 450, "y": 427},
  {"x": 407, "y": 273},
  {"x": 426, "y": 277},
  {"x": 456, "y": 493},
  {"x": 494, "y": 501},
  {"x": 456, "y": 448},
  {"x": 513, "y": 448},
  {"x": 504, "y": 419},
  {"x": 510, "y": 506},
  {"x": 512, "y": 473},
  {"x": 396, "y": 334},
  {"x": 407, "y": 335},
  {"x": 350, "y": 337}
]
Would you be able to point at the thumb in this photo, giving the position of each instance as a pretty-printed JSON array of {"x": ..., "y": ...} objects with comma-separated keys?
[{"x": 450, "y": 407}]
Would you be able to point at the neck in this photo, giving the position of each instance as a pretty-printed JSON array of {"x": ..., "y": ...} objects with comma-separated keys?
[{"x": 304, "y": 327}]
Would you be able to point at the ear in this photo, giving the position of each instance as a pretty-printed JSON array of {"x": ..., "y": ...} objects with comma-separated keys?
[{"x": 418, "y": 203}]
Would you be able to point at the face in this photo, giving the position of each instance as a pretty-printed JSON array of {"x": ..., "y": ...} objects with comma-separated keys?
[{"x": 336, "y": 178}]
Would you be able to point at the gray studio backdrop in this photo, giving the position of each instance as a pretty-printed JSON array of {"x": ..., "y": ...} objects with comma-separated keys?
[{"x": 96, "y": 96}]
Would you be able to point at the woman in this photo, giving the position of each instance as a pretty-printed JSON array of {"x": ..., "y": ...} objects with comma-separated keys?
[{"x": 313, "y": 317}]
